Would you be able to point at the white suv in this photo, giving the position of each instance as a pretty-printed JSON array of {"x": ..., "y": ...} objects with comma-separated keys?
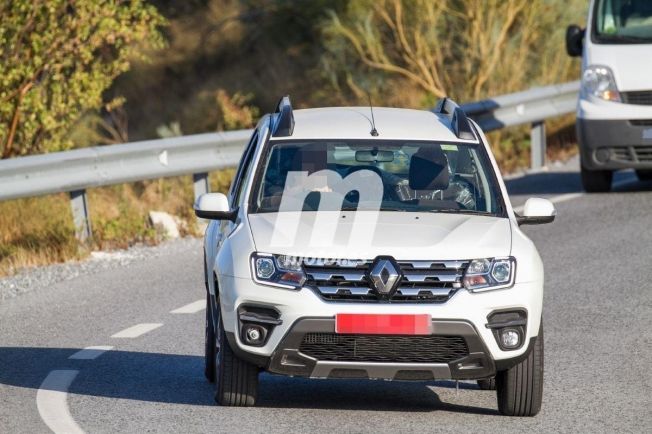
[{"x": 372, "y": 243}]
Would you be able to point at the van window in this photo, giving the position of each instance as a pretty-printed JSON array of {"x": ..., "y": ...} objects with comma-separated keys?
[{"x": 623, "y": 21}]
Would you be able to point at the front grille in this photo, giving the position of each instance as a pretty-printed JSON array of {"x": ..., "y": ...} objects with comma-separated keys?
[
  {"x": 641, "y": 97},
  {"x": 631, "y": 154},
  {"x": 621, "y": 153},
  {"x": 422, "y": 281},
  {"x": 381, "y": 348}
]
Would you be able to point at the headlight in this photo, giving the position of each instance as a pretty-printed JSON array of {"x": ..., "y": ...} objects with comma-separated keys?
[
  {"x": 599, "y": 81},
  {"x": 277, "y": 270},
  {"x": 486, "y": 274}
]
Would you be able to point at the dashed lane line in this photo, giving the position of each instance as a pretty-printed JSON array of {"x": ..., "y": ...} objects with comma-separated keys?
[
  {"x": 555, "y": 199},
  {"x": 52, "y": 404},
  {"x": 90, "y": 353},
  {"x": 137, "y": 330},
  {"x": 193, "y": 307},
  {"x": 572, "y": 196}
]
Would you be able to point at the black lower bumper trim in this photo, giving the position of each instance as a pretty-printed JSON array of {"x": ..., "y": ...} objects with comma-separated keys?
[
  {"x": 505, "y": 364},
  {"x": 288, "y": 360},
  {"x": 260, "y": 361},
  {"x": 614, "y": 144}
]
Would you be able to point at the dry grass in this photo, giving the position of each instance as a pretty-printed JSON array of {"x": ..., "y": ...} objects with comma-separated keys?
[
  {"x": 35, "y": 231},
  {"x": 38, "y": 231}
]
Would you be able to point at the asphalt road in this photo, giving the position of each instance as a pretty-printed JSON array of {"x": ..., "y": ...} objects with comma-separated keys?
[{"x": 598, "y": 338}]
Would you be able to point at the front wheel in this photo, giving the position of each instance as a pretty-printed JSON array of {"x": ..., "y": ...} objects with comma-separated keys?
[
  {"x": 236, "y": 381},
  {"x": 209, "y": 343},
  {"x": 596, "y": 181},
  {"x": 520, "y": 388}
]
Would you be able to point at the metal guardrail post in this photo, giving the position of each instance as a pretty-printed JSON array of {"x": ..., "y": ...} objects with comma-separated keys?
[
  {"x": 81, "y": 219},
  {"x": 200, "y": 184},
  {"x": 538, "y": 145}
]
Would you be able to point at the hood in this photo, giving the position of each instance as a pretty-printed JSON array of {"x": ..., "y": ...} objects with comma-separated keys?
[
  {"x": 631, "y": 64},
  {"x": 403, "y": 235}
]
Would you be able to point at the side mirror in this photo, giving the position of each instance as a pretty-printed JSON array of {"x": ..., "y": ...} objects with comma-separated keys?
[
  {"x": 214, "y": 206},
  {"x": 574, "y": 37},
  {"x": 536, "y": 212}
]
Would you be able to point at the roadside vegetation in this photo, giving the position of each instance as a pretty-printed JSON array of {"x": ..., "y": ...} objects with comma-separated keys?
[{"x": 98, "y": 72}]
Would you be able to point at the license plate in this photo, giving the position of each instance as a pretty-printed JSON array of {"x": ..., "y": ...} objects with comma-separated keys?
[{"x": 393, "y": 324}]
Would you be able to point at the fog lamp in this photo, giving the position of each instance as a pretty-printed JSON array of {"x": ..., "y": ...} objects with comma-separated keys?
[
  {"x": 254, "y": 334},
  {"x": 603, "y": 155},
  {"x": 510, "y": 338}
]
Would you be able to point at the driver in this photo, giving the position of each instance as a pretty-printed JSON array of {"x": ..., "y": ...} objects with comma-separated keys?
[{"x": 430, "y": 180}]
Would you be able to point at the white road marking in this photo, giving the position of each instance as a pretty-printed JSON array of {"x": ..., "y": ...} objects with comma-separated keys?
[
  {"x": 554, "y": 199},
  {"x": 51, "y": 401},
  {"x": 193, "y": 307},
  {"x": 137, "y": 330},
  {"x": 90, "y": 353},
  {"x": 572, "y": 196}
]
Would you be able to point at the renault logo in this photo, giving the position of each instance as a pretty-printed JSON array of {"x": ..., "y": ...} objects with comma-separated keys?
[{"x": 385, "y": 276}]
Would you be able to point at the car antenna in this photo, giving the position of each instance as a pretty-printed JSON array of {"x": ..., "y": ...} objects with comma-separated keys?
[{"x": 374, "y": 131}]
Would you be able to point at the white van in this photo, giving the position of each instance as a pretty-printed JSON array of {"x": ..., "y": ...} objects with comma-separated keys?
[{"x": 614, "y": 112}]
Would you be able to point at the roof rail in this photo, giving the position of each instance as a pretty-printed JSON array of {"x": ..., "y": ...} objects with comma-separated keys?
[
  {"x": 460, "y": 124},
  {"x": 284, "y": 125}
]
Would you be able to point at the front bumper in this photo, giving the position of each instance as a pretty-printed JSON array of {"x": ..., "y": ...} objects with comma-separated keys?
[
  {"x": 303, "y": 311},
  {"x": 615, "y": 144}
]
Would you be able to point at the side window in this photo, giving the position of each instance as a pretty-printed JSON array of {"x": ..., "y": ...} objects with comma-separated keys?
[{"x": 241, "y": 175}]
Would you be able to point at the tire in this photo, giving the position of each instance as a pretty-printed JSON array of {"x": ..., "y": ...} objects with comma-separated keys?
[
  {"x": 236, "y": 381},
  {"x": 644, "y": 175},
  {"x": 209, "y": 343},
  {"x": 596, "y": 181},
  {"x": 487, "y": 384},
  {"x": 520, "y": 388},
  {"x": 209, "y": 332}
]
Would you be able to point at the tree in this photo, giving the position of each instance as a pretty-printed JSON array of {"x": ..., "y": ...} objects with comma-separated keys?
[
  {"x": 57, "y": 57},
  {"x": 468, "y": 49}
]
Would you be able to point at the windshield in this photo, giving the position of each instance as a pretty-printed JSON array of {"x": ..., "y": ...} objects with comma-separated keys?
[
  {"x": 623, "y": 21},
  {"x": 386, "y": 175}
]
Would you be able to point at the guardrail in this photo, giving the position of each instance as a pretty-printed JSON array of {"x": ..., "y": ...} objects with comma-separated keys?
[
  {"x": 75, "y": 171},
  {"x": 531, "y": 106}
]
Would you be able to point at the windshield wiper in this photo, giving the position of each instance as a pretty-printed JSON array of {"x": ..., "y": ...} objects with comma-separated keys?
[
  {"x": 353, "y": 208},
  {"x": 461, "y": 211}
]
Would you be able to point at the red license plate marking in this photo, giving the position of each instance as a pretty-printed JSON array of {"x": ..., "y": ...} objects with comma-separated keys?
[{"x": 373, "y": 324}]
